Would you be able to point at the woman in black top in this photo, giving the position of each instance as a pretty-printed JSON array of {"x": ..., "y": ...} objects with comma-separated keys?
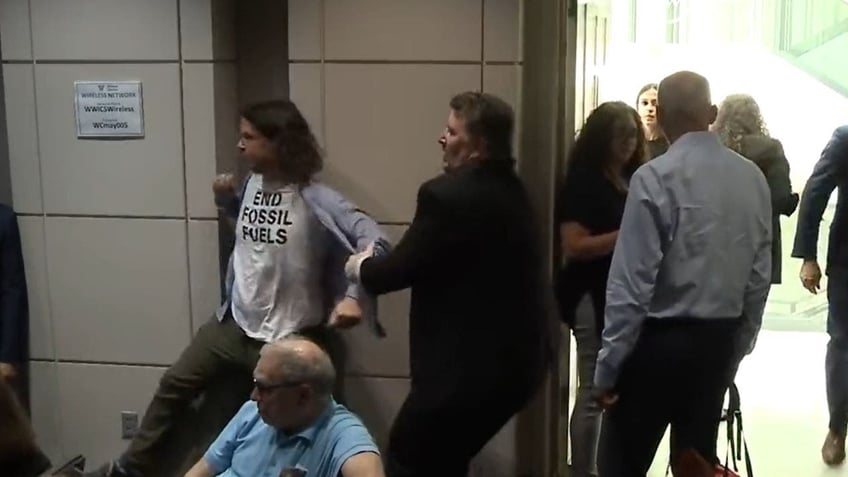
[
  {"x": 609, "y": 148},
  {"x": 740, "y": 126},
  {"x": 646, "y": 104}
]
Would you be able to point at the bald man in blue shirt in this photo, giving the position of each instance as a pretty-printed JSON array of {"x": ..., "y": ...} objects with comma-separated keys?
[{"x": 292, "y": 427}]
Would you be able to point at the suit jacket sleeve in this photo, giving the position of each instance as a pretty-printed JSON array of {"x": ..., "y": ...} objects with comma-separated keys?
[
  {"x": 817, "y": 192},
  {"x": 13, "y": 299},
  {"x": 780, "y": 186},
  {"x": 422, "y": 242}
]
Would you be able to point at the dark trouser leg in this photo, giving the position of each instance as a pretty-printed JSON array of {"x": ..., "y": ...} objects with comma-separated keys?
[
  {"x": 216, "y": 346},
  {"x": 430, "y": 439},
  {"x": 634, "y": 427},
  {"x": 836, "y": 360},
  {"x": 711, "y": 364},
  {"x": 678, "y": 374}
]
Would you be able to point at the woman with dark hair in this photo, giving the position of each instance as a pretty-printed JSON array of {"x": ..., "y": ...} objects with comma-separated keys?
[
  {"x": 740, "y": 126},
  {"x": 609, "y": 148},
  {"x": 646, "y": 104}
]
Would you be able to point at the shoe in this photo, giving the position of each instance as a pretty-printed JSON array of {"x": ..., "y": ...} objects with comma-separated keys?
[
  {"x": 108, "y": 470},
  {"x": 833, "y": 450}
]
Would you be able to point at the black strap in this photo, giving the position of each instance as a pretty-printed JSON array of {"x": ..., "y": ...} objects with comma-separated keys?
[
  {"x": 736, "y": 443},
  {"x": 744, "y": 444}
]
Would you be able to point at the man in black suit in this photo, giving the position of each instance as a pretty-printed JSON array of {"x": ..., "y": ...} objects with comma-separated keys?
[
  {"x": 830, "y": 172},
  {"x": 13, "y": 300},
  {"x": 478, "y": 333}
]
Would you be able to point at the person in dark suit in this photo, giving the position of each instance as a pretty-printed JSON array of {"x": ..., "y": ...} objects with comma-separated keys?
[
  {"x": 19, "y": 454},
  {"x": 478, "y": 319},
  {"x": 831, "y": 172},
  {"x": 14, "y": 319}
]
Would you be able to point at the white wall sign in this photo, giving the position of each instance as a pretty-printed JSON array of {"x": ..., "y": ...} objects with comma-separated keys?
[{"x": 109, "y": 109}]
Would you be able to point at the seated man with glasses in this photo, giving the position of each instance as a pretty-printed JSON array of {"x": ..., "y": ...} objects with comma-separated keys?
[{"x": 292, "y": 427}]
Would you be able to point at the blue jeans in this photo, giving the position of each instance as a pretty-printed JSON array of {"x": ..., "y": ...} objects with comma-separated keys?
[
  {"x": 836, "y": 361},
  {"x": 586, "y": 417}
]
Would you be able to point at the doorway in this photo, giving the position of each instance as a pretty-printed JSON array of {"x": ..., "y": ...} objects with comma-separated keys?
[{"x": 743, "y": 46}]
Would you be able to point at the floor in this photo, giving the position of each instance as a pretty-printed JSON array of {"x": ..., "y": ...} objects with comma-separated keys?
[{"x": 783, "y": 404}]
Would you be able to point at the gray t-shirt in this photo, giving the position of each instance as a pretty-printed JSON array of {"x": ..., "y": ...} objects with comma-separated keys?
[{"x": 277, "y": 260}]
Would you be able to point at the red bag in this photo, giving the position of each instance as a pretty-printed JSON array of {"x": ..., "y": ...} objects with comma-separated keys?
[{"x": 722, "y": 471}]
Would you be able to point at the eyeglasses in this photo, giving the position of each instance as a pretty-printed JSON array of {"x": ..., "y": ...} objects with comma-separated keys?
[{"x": 266, "y": 388}]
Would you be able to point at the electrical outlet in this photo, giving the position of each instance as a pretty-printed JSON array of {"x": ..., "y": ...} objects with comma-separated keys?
[{"x": 129, "y": 424}]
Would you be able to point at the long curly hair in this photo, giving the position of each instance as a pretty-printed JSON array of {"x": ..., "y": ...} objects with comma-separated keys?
[
  {"x": 592, "y": 148},
  {"x": 739, "y": 116},
  {"x": 282, "y": 123}
]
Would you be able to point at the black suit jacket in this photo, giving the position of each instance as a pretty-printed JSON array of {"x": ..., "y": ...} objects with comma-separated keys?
[
  {"x": 472, "y": 256},
  {"x": 767, "y": 153},
  {"x": 829, "y": 173},
  {"x": 14, "y": 319}
]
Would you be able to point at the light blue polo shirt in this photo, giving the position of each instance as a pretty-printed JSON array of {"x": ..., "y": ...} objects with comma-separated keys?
[{"x": 248, "y": 447}]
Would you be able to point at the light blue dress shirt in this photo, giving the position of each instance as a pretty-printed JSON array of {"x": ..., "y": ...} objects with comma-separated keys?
[
  {"x": 248, "y": 447},
  {"x": 694, "y": 242}
]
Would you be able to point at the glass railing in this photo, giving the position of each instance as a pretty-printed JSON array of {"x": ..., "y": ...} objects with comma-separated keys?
[
  {"x": 810, "y": 24},
  {"x": 814, "y": 36}
]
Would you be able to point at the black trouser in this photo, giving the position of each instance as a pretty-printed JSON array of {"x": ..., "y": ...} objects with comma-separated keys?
[
  {"x": 439, "y": 439},
  {"x": 836, "y": 360},
  {"x": 677, "y": 375},
  {"x": 217, "y": 348}
]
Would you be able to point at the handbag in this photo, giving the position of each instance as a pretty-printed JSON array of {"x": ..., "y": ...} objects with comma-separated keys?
[{"x": 693, "y": 464}]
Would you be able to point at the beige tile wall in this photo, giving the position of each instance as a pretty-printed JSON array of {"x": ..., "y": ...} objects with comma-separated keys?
[
  {"x": 374, "y": 78},
  {"x": 120, "y": 238}
]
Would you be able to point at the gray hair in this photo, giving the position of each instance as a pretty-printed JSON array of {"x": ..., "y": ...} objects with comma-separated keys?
[
  {"x": 302, "y": 361},
  {"x": 739, "y": 116}
]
